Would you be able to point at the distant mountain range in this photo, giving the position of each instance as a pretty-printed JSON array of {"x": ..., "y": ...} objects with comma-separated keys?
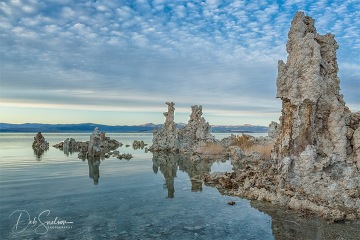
[{"x": 89, "y": 127}]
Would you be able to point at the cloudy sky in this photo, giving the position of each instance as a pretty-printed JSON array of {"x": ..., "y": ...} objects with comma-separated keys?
[{"x": 117, "y": 62}]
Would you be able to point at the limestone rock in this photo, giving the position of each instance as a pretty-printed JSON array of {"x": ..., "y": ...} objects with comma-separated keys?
[
  {"x": 195, "y": 132},
  {"x": 186, "y": 139},
  {"x": 165, "y": 139},
  {"x": 40, "y": 142},
  {"x": 40, "y": 145},
  {"x": 274, "y": 128},
  {"x": 138, "y": 144},
  {"x": 98, "y": 146},
  {"x": 313, "y": 111},
  {"x": 316, "y": 148},
  {"x": 94, "y": 145},
  {"x": 315, "y": 160}
]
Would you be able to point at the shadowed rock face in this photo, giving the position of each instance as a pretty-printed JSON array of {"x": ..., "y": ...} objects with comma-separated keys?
[
  {"x": 195, "y": 133},
  {"x": 313, "y": 111}
]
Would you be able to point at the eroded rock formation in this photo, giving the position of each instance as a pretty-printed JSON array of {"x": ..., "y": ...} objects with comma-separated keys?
[
  {"x": 165, "y": 138},
  {"x": 196, "y": 131},
  {"x": 94, "y": 149},
  {"x": 70, "y": 145},
  {"x": 314, "y": 149},
  {"x": 40, "y": 142},
  {"x": 315, "y": 159},
  {"x": 186, "y": 139},
  {"x": 98, "y": 146},
  {"x": 274, "y": 128},
  {"x": 40, "y": 145},
  {"x": 138, "y": 144}
]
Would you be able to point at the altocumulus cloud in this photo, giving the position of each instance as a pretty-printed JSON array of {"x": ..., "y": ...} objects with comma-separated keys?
[{"x": 138, "y": 54}]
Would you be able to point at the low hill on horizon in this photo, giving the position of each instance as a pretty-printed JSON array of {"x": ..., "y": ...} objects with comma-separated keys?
[{"x": 89, "y": 127}]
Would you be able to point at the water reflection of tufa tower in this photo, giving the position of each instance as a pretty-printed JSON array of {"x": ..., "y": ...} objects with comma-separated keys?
[{"x": 168, "y": 164}]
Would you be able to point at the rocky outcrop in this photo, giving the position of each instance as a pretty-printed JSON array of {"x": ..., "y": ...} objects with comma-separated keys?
[
  {"x": 165, "y": 138},
  {"x": 70, "y": 145},
  {"x": 196, "y": 131},
  {"x": 313, "y": 111},
  {"x": 94, "y": 149},
  {"x": 352, "y": 122},
  {"x": 186, "y": 139},
  {"x": 315, "y": 160},
  {"x": 40, "y": 145},
  {"x": 138, "y": 144},
  {"x": 315, "y": 149},
  {"x": 40, "y": 142},
  {"x": 98, "y": 146},
  {"x": 274, "y": 129}
]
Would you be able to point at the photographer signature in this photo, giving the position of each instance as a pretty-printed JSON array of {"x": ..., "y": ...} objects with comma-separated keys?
[{"x": 41, "y": 223}]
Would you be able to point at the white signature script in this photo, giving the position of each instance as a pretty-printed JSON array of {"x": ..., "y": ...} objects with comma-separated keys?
[{"x": 41, "y": 223}]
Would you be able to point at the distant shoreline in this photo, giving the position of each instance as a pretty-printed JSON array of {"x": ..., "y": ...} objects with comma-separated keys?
[{"x": 89, "y": 127}]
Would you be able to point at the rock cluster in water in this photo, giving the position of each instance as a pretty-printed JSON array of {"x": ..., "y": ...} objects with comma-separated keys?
[
  {"x": 316, "y": 156},
  {"x": 98, "y": 145},
  {"x": 138, "y": 144},
  {"x": 186, "y": 139},
  {"x": 40, "y": 145}
]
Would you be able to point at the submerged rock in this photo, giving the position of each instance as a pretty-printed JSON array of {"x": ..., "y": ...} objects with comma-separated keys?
[{"x": 126, "y": 156}]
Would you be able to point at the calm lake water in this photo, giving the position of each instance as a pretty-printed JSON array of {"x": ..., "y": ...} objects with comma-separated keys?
[{"x": 58, "y": 196}]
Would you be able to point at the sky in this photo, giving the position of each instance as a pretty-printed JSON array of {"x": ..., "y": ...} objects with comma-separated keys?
[{"x": 118, "y": 62}]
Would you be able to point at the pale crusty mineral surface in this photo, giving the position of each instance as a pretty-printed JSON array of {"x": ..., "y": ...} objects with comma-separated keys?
[
  {"x": 316, "y": 156},
  {"x": 186, "y": 139}
]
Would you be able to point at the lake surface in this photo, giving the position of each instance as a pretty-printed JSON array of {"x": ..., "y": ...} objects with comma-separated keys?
[{"x": 59, "y": 196}]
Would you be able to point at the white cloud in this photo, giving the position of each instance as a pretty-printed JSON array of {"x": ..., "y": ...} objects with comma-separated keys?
[
  {"x": 67, "y": 12},
  {"x": 28, "y": 9},
  {"x": 199, "y": 52}
]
